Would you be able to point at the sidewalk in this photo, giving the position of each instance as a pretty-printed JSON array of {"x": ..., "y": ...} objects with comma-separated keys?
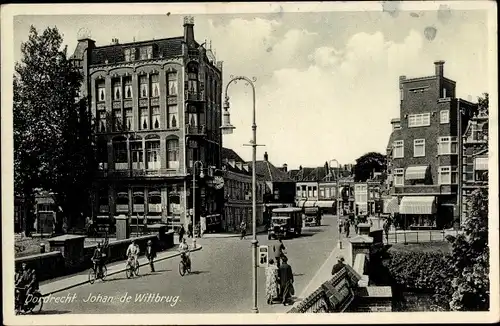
[
  {"x": 260, "y": 229},
  {"x": 325, "y": 271},
  {"x": 70, "y": 281}
]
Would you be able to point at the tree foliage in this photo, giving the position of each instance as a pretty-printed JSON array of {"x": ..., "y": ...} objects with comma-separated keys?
[
  {"x": 52, "y": 139},
  {"x": 367, "y": 164},
  {"x": 470, "y": 258}
]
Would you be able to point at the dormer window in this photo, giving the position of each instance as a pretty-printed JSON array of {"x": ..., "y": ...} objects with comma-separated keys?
[
  {"x": 127, "y": 55},
  {"x": 146, "y": 53}
]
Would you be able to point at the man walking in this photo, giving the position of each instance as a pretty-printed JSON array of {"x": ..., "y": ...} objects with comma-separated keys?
[
  {"x": 339, "y": 222},
  {"x": 151, "y": 255},
  {"x": 286, "y": 281},
  {"x": 243, "y": 229},
  {"x": 182, "y": 231},
  {"x": 347, "y": 227},
  {"x": 279, "y": 251}
]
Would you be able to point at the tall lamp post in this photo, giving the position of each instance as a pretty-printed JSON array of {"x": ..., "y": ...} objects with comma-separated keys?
[
  {"x": 194, "y": 188},
  {"x": 227, "y": 128}
]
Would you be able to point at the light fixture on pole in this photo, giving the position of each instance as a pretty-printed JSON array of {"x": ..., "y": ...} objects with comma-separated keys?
[
  {"x": 227, "y": 128},
  {"x": 193, "y": 192}
]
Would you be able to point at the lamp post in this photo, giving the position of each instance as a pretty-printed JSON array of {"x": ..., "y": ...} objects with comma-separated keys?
[
  {"x": 227, "y": 128},
  {"x": 194, "y": 187}
]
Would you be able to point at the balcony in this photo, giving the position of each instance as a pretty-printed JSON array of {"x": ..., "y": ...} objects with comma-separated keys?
[
  {"x": 196, "y": 130},
  {"x": 425, "y": 189},
  {"x": 142, "y": 173}
]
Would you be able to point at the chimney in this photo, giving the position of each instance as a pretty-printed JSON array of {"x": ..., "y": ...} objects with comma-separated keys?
[
  {"x": 439, "y": 65},
  {"x": 115, "y": 41},
  {"x": 266, "y": 157},
  {"x": 401, "y": 78},
  {"x": 188, "y": 31},
  {"x": 285, "y": 167}
]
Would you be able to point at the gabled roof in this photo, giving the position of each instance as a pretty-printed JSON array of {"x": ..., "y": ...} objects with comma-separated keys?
[
  {"x": 167, "y": 48},
  {"x": 227, "y": 153},
  {"x": 270, "y": 173}
]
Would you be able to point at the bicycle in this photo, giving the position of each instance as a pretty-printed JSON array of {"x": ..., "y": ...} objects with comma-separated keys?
[
  {"x": 132, "y": 268},
  {"x": 184, "y": 266},
  {"x": 95, "y": 274},
  {"x": 33, "y": 302}
]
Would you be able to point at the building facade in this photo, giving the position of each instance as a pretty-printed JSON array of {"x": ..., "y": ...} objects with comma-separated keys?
[
  {"x": 367, "y": 197},
  {"x": 157, "y": 109},
  {"x": 238, "y": 192},
  {"x": 425, "y": 156},
  {"x": 474, "y": 158}
]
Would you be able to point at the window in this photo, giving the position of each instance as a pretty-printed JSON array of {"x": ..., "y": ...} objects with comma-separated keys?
[
  {"x": 447, "y": 175},
  {"x": 173, "y": 154},
  {"x": 128, "y": 88},
  {"x": 101, "y": 91},
  {"x": 322, "y": 192},
  {"x": 193, "y": 80},
  {"x": 401, "y": 94},
  {"x": 172, "y": 83},
  {"x": 399, "y": 179},
  {"x": 419, "y": 120},
  {"x": 153, "y": 155},
  {"x": 144, "y": 118},
  {"x": 192, "y": 118},
  {"x": 444, "y": 92},
  {"x": 102, "y": 120},
  {"x": 396, "y": 126},
  {"x": 143, "y": 86},
  {"x": 447, "y": 145},
  {"x": 146, "y": 52},
  {"x": 298, "y": 192},
  {"x": 137, "y": 154},
  {"x": 117, "y": 90},
  {"x": 127, "y": 55},
  {"x": 304, "y": 193},
  {"x": 172, "y": 116},
  {"x": 156, "y": 117},
  {"x": 129, "y": 119},
  {"x": 120, "y": 154},
  {"x": 419, "y": 147},
  {"x": 155, "y": 85},
  {"x": 399, "y": 150},
  {"x": 117, "y": 120},
  {"x": 445, "y": 116},
  {"x": 315, "y": 192}
]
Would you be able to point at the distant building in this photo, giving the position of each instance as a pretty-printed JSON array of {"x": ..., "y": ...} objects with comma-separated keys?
[
  {"x": 157, "y": 107},
  {"x": 424, "y": 153},
  {"x": 475, "y": 158},
  {"x": 238, "y": 192}
]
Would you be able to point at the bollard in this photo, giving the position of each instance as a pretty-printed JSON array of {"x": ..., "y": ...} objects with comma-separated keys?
[
  {"x": 340, "y": 244},
  {"x": 194, "y": 243},
  {"x": 42, "y": 248}
]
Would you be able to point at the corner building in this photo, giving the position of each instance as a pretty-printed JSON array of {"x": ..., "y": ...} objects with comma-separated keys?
[
  {"x": 156, "y": 107},
  {"x": 426, "y": 158}
]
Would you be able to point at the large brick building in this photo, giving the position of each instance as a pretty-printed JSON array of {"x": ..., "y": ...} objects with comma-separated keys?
[
  {"x": 475, "y": 158},
  {"x": 157, "y": 109},
  {"x": 424, "y": 150}
]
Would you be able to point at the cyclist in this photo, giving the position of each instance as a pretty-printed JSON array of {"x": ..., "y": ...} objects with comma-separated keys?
[
  {"x": 184, "y": 249},
  {"x": 97, "y": 259},
  {"x": 133, "y": 253}
]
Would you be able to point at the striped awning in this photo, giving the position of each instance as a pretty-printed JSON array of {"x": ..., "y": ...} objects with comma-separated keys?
[
  {"x": 416, "y": 172},
  {"x": 418, "y": 205},
  {"x": 391, "y": 205},
  {"x": 310, "y": 203},
  {"x": 325, "y": 203},
  {"x": 481, "y": 163},
  {"x": 301, "y": 203}
]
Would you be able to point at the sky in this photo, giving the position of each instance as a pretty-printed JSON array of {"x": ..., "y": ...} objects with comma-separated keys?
[{"x": 327, "y": 82}]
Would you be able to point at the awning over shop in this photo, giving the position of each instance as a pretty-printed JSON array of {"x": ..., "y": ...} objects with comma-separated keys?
[
  {"x": 418, "y": 205},
  {"x": 481, "y": 163},
  {"x": 325, "y": 203},
  {"x": 416, "y": 172},
  {"x": 301, "y": 203},
  {"x": 310, "y": 203},
  {"x": 391, "y": 205}
]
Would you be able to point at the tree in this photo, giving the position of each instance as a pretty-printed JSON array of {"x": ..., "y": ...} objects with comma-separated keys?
[
  {"x": 367, "y": 164},
  {"x": 470, "y": 258},
  {"x": 52, "y": 143},
  {"x": 483, "y": 102}
]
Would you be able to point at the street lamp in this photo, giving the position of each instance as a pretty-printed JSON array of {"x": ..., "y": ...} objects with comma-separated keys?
[
  {"x": 194, "y": 188},
  {"x": 227, "y": 128}
]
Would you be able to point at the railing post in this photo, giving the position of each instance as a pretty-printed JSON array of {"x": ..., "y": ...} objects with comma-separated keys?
[{"x": 417, "y": 236}]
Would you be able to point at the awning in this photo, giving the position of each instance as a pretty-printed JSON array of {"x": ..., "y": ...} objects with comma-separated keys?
[
  {"x": 416, "y": 172},
  {"x": 418, "y": 205},
  {"x": 481, "y": 163},
  {"x": 310, "y": 203},
  {"x": 391, "y": 205},
  {"x": 325, "y": 203},
  {"x": 301, "y": 203}
]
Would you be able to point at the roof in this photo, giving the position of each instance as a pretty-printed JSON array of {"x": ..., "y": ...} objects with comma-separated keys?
[
  {"x": 270, "y": 172},
  {"x": 167, "y": 48},
  {"x": 315, "y": 174},
  {"x": 227, "y": 153}
]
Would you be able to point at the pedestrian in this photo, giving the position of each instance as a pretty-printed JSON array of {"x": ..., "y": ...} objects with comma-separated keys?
[
  {"x": 356, "y": 222},
  {"x": 339, "y": 222},
  {"x": 338, "y": 266},
  {"x": 347, "y": 228},
  {"x": 151, "y": 255},
  {"x": 386, "y": 227},
  {"x": 279, "y": 251},
  {"x": 271, "y": 282},
  {"x": 182, "y": 231},
  {"x": 203, "y": 225},
  {"x": 243, "y": 229},
  {"x": 190, "y": 229},
  {"x": 286, "y": 281}
]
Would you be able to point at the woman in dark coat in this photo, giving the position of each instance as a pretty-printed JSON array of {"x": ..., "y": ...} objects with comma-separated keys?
[{"x": 286, "y": 280}]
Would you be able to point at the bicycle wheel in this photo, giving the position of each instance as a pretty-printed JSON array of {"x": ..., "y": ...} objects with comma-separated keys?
[
  {"x": 38, "y": 307},
  {"x": 136, "y": 270},
  {"x": 181, "y": 269},
  {"x": 91, "y": 276},
  {"x": 104, "y": 272},
  {"x": 128, "y": 271}
]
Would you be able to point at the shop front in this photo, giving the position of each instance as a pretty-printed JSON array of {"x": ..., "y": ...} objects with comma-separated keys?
[{"x": 418, "y": 212}]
